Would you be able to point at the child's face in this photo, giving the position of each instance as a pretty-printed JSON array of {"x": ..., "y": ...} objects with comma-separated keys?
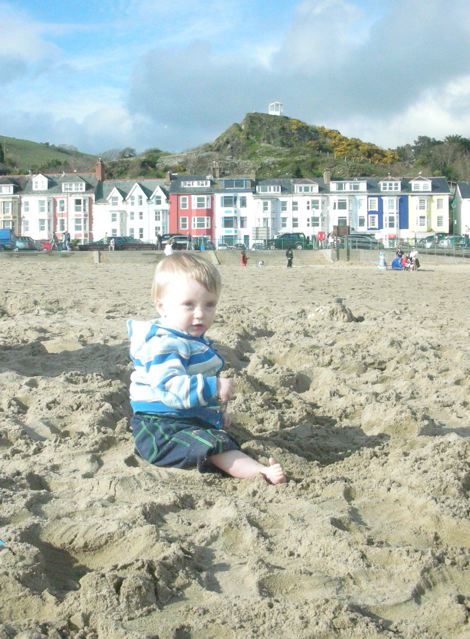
[{"x": 187, "y": 306}]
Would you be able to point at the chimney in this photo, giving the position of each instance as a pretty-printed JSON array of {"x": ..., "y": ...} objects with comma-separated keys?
[
  {"x": 216, "y": 169},
  {"x": 326, "y": 176},
  {"x": 99, "y": 170}
]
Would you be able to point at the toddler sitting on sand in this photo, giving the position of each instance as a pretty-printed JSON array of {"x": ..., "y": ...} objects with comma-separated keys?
[{"x": 175, "y": 393}]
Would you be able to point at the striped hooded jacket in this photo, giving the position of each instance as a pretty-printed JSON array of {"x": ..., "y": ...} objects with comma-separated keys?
[{"x": 175, "y": 373}]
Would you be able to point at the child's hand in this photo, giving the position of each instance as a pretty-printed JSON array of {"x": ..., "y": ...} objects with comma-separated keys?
[{"x": 226, "y": 389}]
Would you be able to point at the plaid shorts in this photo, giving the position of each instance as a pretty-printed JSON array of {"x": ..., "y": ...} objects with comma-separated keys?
[{"x": 179, "y": 442}]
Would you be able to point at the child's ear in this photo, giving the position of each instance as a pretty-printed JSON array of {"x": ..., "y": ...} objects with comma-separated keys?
[{"x": 159, "y": 307}]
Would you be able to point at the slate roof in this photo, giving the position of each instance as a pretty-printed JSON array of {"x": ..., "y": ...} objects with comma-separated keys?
[{"x": 464, "y": 188}]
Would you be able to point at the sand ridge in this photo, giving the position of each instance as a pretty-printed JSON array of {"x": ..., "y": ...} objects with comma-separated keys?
[{"x": 364, "y": 400}]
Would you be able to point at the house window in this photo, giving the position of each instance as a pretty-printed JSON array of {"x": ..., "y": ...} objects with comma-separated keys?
[
  {"x": 341, "y": 205},
  {"x": 440, "y": 220},
  {"x": 78, "y": 224},
  {"x": 26, "y": 206},
  {"x": 184, "y": 200},
  {"x": 268, "y": 189},
  {"x": 114, "y": 217},
  {"x": 314, "y": 205},
  {"x": 295, "y": 222},
  {"x": 158, "y": 200},
  {"x": 242, "y": 202},
  {"x": 361, "y": 221},
  {"x": 61, "y": 206},
  {"x": 229, "y": 222},
  {"x": 131, "y": 215},
  {"x": 295, "y": 205},
  {"x": 373, "y": 204},
  {"x": 78, "y": 206},
  {"x": 391, "y": 203},
  {"x": 73, "y": 187},
  {"x": 228, "y": 201},
  {"x": 283, "y": 205},
  {"x": 26, "y": 226},
  {"x": 421, "y": 204},
  {"x": 141, "y": 215},
  {"x": 202, "y": 222},
  {"x": 315, "y": 221},
  {"x": 373, "y": 221},
  {"x": 157, "y": 231},
  {"x": 201, "y": 202},
  {"x": 62, "y": 224},
  {"x": 141, "y": 234},
  {"x": 243, "y": 222},
  {"x": 131, "y": 232},
  {"x": 342, "y": 221},
  {"x": 439, "y": 203},
  {"x": 139, "y": 201},
  {"x": 265, "y": 206},
  {"x": 7, "y": 208},
  {"x": 421, "y": 220},
  {"x": 283, "y": 222},
  {"x": 42, "y": 206},
  {"x": 184, "y": 223},
  {"x": 114, "y": 201},
  {"x": 390, "y": 221},
  {"x": 157, "y": 216},
  {"x": 132, "y": 200}
]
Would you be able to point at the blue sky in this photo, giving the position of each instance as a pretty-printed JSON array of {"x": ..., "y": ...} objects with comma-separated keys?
[{"x": 153, "y": 73}]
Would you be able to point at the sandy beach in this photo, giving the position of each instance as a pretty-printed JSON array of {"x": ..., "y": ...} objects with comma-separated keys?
[{"x": 364, "y": 401}]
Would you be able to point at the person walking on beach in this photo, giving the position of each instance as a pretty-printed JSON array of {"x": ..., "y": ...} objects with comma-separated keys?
[
  {"x": 112, "y": 244},
  {"x": 168, "y": 250},
  {"x": 176, "y": 394},
  {"x": 290, "y": 257},
  {"x": 243, "y": 258}
]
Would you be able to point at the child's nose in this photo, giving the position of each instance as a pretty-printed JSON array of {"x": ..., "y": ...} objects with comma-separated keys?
[{"x": 198, "y": 312}]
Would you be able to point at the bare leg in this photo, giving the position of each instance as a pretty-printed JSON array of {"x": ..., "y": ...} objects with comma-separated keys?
[{"x": 240, "y": 465}]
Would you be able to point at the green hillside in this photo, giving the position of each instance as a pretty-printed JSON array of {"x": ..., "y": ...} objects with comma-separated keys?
[{"x": 21, "y": 156}]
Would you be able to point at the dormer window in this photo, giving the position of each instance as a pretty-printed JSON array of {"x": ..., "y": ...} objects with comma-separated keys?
[
  {"x": 268, "y": 188},
  {"x": 73, "y": 187},
  {"x": 236, "y": 184},
  {"x": 7, "y": 189},
  {"x": 306, "y": 188},
  {"x": 196, "y": 183},
  {"x": 390, "y": 185},
  {"x": 421, "y": 185},
  {"x": 40, "y": 183}
]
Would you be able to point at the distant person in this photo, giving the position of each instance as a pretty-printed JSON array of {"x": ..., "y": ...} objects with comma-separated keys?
[
  {"x": 290, "y": 257},
  {"x": 159, "y": 242},
  {"x": 54, "y": 243},
  {"x": 66, "y": 241},
  {"x": 112, "y": 244},
  {"x": 243, "y": 258},
  {"x": 177, "y": 396},
  {"x": 168, "y": 250}
]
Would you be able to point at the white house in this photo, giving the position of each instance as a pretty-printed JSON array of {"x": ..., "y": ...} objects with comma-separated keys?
[{"x": 462, "y": 208}]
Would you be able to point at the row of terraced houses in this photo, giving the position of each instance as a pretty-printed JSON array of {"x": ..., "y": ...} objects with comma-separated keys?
[{"x": 230, "y": 209}]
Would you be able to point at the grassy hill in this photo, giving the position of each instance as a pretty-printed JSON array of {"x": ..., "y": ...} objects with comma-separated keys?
[
  {"x": 21, "y": 156},
  {"x": 261, "y": 146}
]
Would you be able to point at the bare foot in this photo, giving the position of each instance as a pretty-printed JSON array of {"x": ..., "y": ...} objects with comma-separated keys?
[{"x": 274, "y": 473}]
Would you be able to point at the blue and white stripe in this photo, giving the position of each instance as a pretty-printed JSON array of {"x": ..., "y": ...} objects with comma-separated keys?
[{"x": 175, "y": 373}]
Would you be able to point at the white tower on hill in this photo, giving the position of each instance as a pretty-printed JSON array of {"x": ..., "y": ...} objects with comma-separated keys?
[{"x": 275, "y": 108}]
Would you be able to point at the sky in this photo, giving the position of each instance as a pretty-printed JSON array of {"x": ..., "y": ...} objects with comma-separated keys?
[{"x": 109, "y": 74}]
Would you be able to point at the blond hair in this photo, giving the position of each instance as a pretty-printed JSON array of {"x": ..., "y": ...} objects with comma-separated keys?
[{"x": 186, "y": 265}]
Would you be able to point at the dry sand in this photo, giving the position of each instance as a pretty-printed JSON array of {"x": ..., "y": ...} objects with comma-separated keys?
[{"x": 370, "y": 538}]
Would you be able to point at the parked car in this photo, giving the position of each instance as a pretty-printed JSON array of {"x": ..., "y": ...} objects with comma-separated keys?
[
  {"x": 361, "y": 241},
  {"x": 44, "y": 245},
  {"x": 7, "y": 240},
  {"x": 454, "y": 241},
  {"x": 181, "y": 242},
  {"x": 121, "y": 243},
  {"x": 26, "y": 243},
  {"x": 427, "y": 242},
  {"x": 239, "y": 246},
  {"x": 289, "y": 240},
  {"x": 258, "y": 246},
  {"x": 221, "y": 246}
]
